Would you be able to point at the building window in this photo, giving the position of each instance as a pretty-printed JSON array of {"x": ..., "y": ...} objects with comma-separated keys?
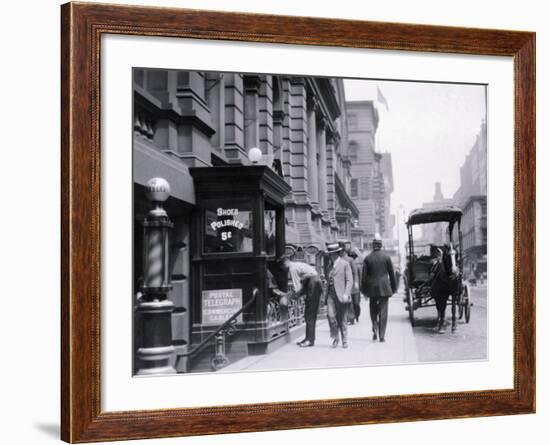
[
  {"x": 354, "y": 189},
  {"x": 352, "y": 121},
  {"x": 353, "y": 149},
  {"x": 270, "y": 232},
  {"x": 278, "y": 117},
  {"x": 365, "y": 186},
  {"x": 342, "y": 229}
]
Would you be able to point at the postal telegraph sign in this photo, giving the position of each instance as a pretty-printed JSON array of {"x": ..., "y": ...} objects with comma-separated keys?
[{"x": 220, "y": 304}]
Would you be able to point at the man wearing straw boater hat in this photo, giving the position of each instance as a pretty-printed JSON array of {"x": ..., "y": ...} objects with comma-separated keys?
[
  {"x": 340, "y": 282},
  {"x": 378, "y": 284}
]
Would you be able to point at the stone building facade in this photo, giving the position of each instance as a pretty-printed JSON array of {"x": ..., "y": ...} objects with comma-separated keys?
[
  {"x": 387, "y": 219},
  {"x": 204, "y": 119},
  {"x": 473, "y": 173},
  {"x": 471, "y": 197},
  {"x": 186, "y": 119},
  {"x": 371, "y": 172},
  {"x": 474, "y": 236}
]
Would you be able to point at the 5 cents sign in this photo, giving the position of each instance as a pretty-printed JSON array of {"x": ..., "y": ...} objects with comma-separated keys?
[{"x": 221, "y": 225}]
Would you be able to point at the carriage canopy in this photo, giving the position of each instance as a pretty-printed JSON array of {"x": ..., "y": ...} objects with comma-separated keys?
[{"x": 449, "y": 214}]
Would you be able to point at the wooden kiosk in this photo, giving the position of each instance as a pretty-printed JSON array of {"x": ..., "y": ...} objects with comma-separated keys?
[{"x": 238, "y": 231}]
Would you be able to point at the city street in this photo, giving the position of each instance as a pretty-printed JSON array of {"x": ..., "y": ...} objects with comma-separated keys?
[
  {"x": 404, "y": 344},
  {"x": 333, "y": 167},
  {"x": 469, "y": 342}
]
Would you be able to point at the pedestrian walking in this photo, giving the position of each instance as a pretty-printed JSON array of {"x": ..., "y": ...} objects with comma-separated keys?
[
  {"x": 340, "y": 282},
  {"x": 306, "y": 281},
  {"x": 347, "y": 252},
  {"x": 378, "y": 285},
  {"x": 356, "y": 293}
]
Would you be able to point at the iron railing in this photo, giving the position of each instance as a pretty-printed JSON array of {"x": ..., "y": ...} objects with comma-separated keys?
[{"x": 220, "y": 360}]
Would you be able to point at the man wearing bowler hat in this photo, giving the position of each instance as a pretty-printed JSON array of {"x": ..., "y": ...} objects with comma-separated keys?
[
  {"x": 378, "y": 284},
  {"x": 340, "y": 282}
]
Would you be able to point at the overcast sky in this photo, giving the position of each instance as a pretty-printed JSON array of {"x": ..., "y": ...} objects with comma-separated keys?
[{"x": 429, "y": 129}]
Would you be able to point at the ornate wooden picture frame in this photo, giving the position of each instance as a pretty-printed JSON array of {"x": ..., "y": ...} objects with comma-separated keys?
[{"x": 82, "y": 26}]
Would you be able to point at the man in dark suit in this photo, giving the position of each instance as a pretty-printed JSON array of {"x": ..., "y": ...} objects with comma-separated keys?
[{"x": 378, "y": 284}]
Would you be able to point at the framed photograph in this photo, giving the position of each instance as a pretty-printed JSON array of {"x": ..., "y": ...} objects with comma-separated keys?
[{"x": 274, "y": 222}]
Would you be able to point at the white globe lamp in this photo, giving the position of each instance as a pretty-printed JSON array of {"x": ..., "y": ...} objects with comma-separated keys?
[
  {"x": 157, "y": 189},
  {"x": 255, "y": 155}
]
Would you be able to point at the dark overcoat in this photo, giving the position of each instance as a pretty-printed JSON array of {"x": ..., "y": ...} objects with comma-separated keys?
[{"x": 377, "y": 277}]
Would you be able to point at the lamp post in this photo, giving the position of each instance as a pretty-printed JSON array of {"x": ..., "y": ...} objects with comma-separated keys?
[{"x": 154, "y": 310}]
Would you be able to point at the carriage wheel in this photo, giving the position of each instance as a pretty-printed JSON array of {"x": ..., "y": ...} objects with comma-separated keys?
[
  {"x": 461, "y": 307},
  {"x": 466, "y": 303},
  {"x": 410, "y": 306}
]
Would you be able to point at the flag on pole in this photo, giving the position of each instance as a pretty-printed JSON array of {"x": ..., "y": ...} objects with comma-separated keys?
[{"x": 380, "y": 98}]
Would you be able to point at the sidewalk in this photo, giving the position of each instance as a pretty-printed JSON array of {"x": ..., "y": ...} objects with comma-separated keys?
[{"x": 400, "y": 346}]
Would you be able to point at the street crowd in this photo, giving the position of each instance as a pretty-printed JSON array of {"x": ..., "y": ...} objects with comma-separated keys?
[{"x": 347, "y": 280}]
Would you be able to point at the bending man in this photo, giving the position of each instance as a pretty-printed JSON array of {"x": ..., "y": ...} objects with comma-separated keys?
[{"x": 306, "y": 281}]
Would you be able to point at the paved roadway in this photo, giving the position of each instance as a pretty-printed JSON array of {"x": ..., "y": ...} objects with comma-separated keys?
[
  {"x": 469, "y": 342},
  {"x": 399, "y": 346},
  {"x": 403, "y": 343}
]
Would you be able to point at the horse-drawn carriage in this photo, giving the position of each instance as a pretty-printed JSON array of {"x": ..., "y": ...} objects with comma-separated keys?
[{"x": 434, "y": 273}]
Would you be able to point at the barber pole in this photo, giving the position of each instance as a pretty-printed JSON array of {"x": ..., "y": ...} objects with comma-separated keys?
[{"x": 154, "y": 311}]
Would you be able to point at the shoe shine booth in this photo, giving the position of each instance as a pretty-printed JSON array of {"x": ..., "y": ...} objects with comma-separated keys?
[{"x": 238, "y": 231}]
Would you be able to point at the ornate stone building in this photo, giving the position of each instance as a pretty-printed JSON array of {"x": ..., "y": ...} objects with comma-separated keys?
[
  {"x": 371, "y": 172},
  {"x": 471, "y": 196},
  {"x": 185, "y": 119},
  {"x": 203, "y": 119}
]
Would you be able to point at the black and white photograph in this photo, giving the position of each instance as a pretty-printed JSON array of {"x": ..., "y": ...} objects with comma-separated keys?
[
  {"x": 275, "y": 222},
  {"x": 286, "y": 222}
]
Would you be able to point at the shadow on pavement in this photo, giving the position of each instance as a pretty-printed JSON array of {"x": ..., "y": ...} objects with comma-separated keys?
[{"x": 49, "y": 429}]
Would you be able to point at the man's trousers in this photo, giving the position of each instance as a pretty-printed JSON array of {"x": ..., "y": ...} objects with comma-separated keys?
[
  {"x": 379, "y": 315},
  {"x": 313, "y": 296},
  {"x": 354, "y": 308},
  {"x": 336, "y": 314}
]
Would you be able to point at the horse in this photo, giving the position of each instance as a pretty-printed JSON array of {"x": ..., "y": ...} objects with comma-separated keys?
[{"x": 445, "y": 282}]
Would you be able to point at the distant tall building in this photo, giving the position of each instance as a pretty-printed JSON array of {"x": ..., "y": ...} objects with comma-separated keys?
[
  {"x": 435, "y": 232},
  {"x": 371, "y": 172},
  {"x": 386, "y": 220},
  {"x": 471, "y": 197},
  {"x": 473, "y": 173}
]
